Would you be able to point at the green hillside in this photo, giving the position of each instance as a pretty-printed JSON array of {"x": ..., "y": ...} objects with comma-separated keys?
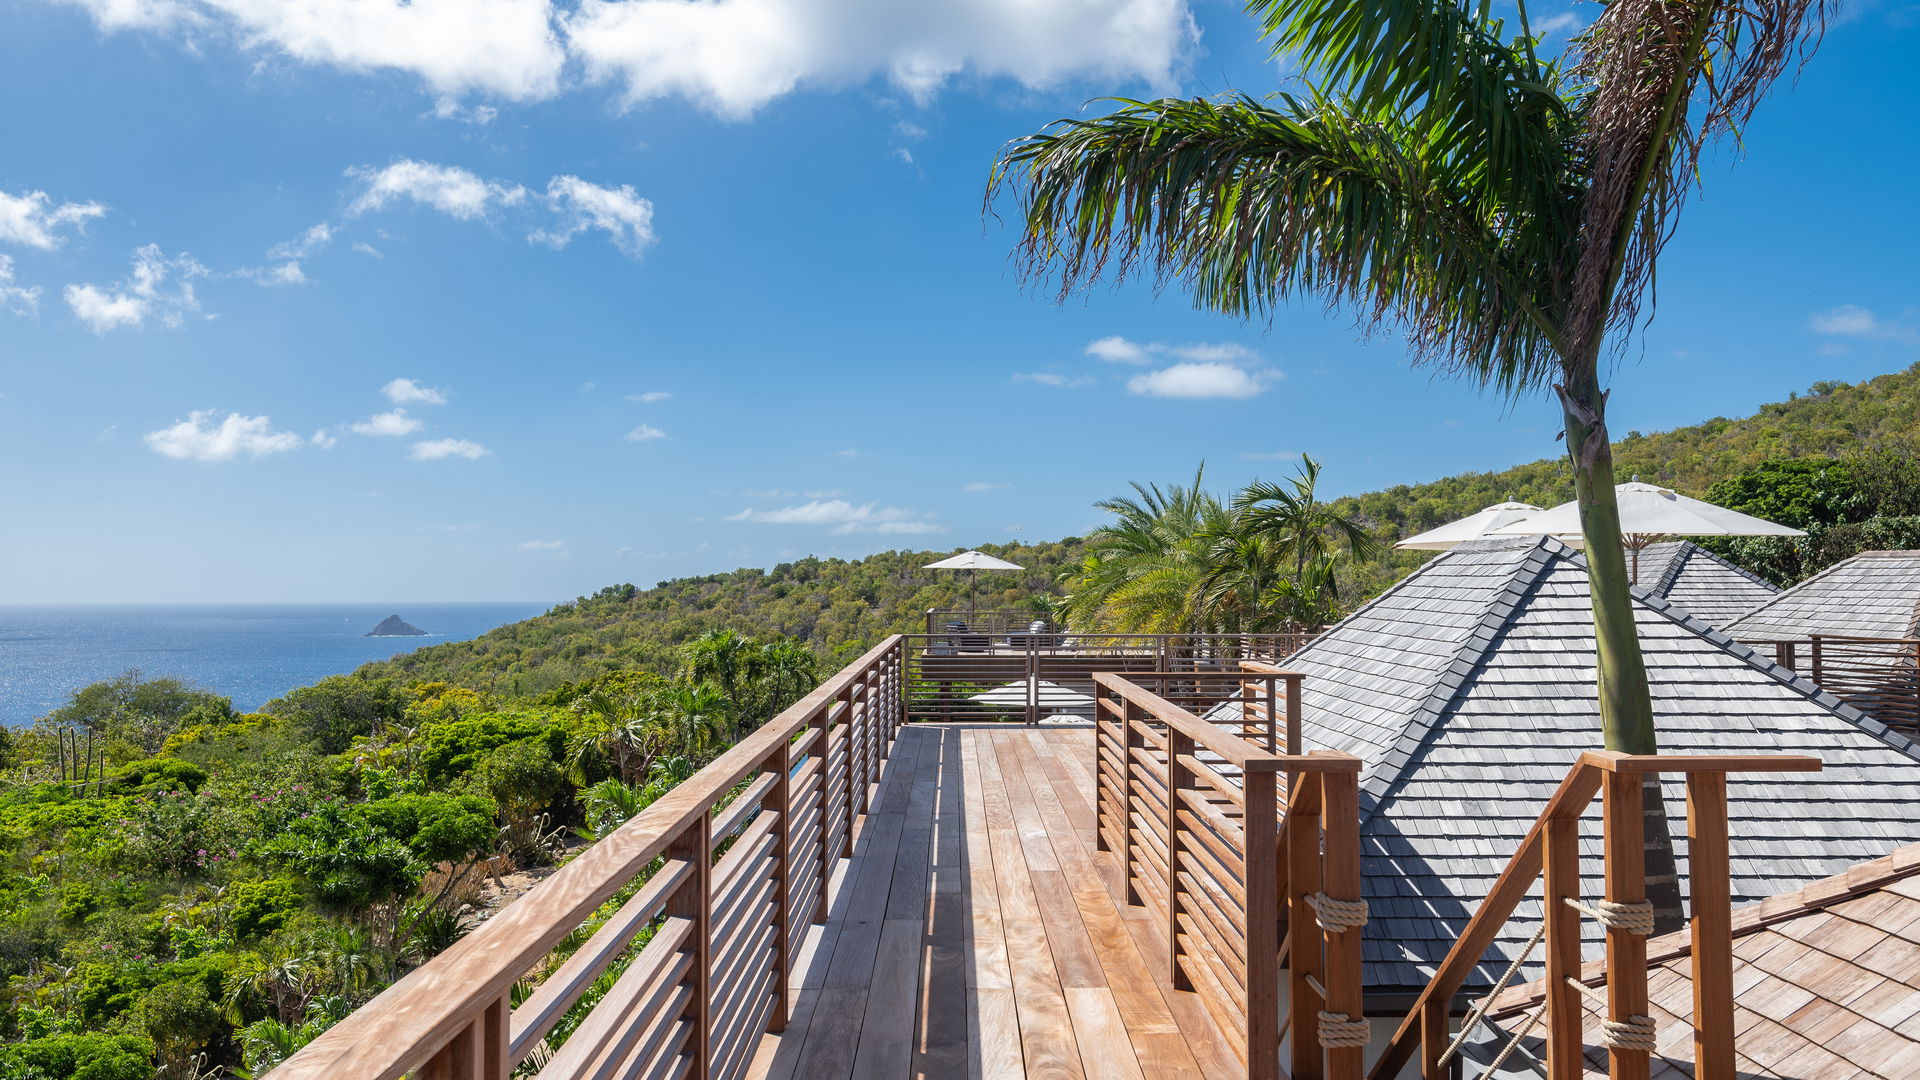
[
  {"x": 840, "y": 605},
  {"x": 837, "y": 605}
]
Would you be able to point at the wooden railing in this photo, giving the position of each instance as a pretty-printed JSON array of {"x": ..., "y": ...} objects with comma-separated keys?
[
  {"x": 1196, "y": 817},
  {"x": 1878, "y": 676},
  {"x": 741, "y": 857},
  {"x": 1552, "y": 848},
  {"x": 959, "y": 676}
]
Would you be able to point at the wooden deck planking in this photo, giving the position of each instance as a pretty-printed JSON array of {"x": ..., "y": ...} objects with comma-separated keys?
[{"x": 977, "y": 933}]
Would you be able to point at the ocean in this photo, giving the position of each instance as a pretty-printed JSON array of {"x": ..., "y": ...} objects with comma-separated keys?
[{"x": 252, "y": 653}]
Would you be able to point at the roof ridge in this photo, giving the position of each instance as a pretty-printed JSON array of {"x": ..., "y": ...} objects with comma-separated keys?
[
  {"x": 1736, "y": 568},
  {"x": 1377, "y": 783},
  {"x": 1674, "y": 566}
]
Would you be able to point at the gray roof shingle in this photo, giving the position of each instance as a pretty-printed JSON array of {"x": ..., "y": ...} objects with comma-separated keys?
[
  {"x": 1703, "y": 583},
  {"x": 1467, "y": 689},
  {"x": 1875, "y": 594}
]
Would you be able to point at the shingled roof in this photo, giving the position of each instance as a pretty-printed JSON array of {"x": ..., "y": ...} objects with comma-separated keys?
[
  {"x": 1826, "y": 984},
  {"x": 1467, "y": 689},
  {"x": 1701, "y": 582},
  {"x": 1875, "y": 594}
]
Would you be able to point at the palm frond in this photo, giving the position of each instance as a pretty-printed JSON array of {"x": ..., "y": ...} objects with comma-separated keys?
[{"x": 1248, "y": 205}]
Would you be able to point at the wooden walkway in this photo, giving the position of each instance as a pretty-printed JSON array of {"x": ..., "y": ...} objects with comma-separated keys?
[{"x": 977, "y": 932}]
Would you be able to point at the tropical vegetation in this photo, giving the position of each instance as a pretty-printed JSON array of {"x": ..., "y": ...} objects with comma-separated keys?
[{"x": 189, "y": 890}]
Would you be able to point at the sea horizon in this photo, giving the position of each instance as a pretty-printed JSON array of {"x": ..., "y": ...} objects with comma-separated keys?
[{"x": 249, "y": 651}]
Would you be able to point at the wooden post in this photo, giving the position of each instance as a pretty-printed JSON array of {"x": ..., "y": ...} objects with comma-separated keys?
[
  {"x": 1624, "y": 815},
  {"x": 1816, "y": 663},
  {"x": 463, "y": 1056},
  {"x": 1129, "y": 738},
  {"x": 1433, "y": 1039},
  {"x": 1565, "y": 1014},
  {"x": 1293, "y": 715},
  {"x": 1179, "y": 778},
  {"x": 821, "y": 745},
  {"x": 694, "y": 901},
  {"x": 780, "y": 800},
  {"x": 1709, "y": 897},
  {"x": 1340, "y": 877},
  {"x": 1304, "y": 961},
  {"x": 1260, "y": 833}
]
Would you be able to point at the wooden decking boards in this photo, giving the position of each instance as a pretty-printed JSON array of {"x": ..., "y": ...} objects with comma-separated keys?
[{"x": 979, "y": 933}]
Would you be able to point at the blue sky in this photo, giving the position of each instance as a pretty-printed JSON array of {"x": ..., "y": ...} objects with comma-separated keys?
[{"x": 476, "y": 299}]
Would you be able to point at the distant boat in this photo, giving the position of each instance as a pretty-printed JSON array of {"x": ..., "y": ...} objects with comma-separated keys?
[{"x": 395, "y": 626}]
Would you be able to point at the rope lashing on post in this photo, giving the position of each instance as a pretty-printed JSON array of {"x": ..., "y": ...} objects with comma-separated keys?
[
  {"x": 1479, "y": 1011},
  {"x": 1337, "y": 916},
  {"x": 1338, "y": 1031},
  {"x": 1635, "y": 918},
  {"x": 1634, "y": 1033}
]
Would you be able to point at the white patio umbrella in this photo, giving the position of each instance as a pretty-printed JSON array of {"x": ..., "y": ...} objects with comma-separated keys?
[
  {"x": 972, "y": 562},
  {"x": 1649, "y": 513},
  {"x": 1471, "y": 527},
  {"x": 1034, "y": 693}
]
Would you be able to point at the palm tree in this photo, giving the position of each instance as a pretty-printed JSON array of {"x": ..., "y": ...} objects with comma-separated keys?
[
  {"x": 1502, "y": 209},
  {"x": 1306, "y": 531},
  {"x": 1143, "y": 570}
]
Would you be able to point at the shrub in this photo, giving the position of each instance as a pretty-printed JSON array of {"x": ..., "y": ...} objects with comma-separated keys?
[{"x": 78, "y": 1057}]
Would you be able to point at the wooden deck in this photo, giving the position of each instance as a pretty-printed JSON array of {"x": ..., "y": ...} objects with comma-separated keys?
[{"x": 981, "y": 935}]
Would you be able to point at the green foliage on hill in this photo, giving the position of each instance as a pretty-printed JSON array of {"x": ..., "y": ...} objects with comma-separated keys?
[{"x": 840, "y": 607}]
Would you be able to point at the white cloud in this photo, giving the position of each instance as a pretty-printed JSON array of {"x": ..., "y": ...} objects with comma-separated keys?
[
  {"x": 905, "y": 155},
  {"x": 34, "y": 220},
  {"x": 983, "y": 485},
  {"x": 645, "y": 433},
  {"x": 477, "y": 116},
  {"x": 368, "y": 249},
  {"x": 1119, "y": 350},
  {"x": 1048, "y": 378},
  {"x": 844, "y": 517},
  {"x": 849, "y": 452},
  {"x": 408, "y": 392},
  {"x": 540, "y": 545},
  {"x": 447, "y": 188},
  {"x": 1854, "y": 321},
  {"x": 440, "y": 449},
  {"x": 503, "y": 47},
  {"x": 1561, "y": 25},
  {"x": 1197, "y": 379},
  {"x": 325, "y": 439},
  {"x": 197, "y": 438},
  {"x": 620, "y": 212},
  {"x": 287, "y": 273},
  {"x": 19, "y": 299},
  {"x": 314, "y": 239},
  {"x": 142, "y": 295},
  {"x": 733, "y": 56},
  {"x": 649, "y": 397},
  {"x": 396, "y": 422}
]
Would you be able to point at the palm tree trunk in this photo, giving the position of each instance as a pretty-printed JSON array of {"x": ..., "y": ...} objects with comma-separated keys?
[{"x": 1626, "y": 705}]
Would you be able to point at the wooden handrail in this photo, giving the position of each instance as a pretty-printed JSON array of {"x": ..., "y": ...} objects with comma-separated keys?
[
  {"x": 1215, "y": 847},
  {"x": 1552, "y": 845},
  {"x": 450, "y": 1017}
]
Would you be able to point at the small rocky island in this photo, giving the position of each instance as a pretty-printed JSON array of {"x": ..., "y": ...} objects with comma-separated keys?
[{"x": 395, "y": 626}]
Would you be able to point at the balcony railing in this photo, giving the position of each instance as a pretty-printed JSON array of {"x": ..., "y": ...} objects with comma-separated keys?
[
  {"x": 1225, "y": 856},
  {"x": 1551, "y": 850},
  {"x": 731, "y": 866},
  {"x": 1878, "y": 676},
  {"x": 1033, "y": 675}
]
